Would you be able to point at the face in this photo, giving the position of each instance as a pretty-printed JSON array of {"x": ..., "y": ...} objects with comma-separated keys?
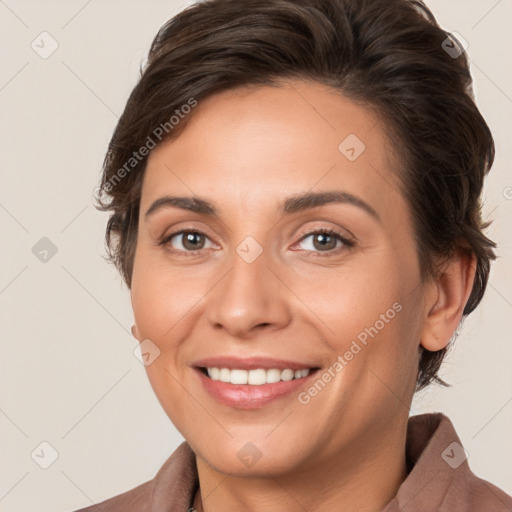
[{"x": 248, "y": 277}]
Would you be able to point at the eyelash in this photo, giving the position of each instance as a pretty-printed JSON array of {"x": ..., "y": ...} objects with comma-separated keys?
[{"x": 347, "y": 243}]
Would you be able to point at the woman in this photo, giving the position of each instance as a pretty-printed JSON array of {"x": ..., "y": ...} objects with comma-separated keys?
[{"x": 295, "y": 196}]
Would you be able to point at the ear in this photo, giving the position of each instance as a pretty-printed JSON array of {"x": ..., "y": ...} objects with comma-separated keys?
[
  {"x": 445, "y": 306},
  {"x": 135, "y": 332}
]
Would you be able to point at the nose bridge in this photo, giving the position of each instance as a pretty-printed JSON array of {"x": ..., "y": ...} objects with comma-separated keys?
[{"x": 249, "y": 294}]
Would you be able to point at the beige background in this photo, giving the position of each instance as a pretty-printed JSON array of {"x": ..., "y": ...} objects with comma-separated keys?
[{"x": 68, "y": 375}]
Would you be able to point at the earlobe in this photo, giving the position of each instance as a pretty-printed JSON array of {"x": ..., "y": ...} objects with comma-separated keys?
[
  {"x": 135, "y": 332},
  {"x": 444, "y": 313}
]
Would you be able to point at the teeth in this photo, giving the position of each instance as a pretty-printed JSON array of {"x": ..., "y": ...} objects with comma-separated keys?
[
  {"x": 255, "y": 377},
  {"x": 239, "y": 377},
  {"x": 224, "y": 375},
  {"x": 287, "y": 374},
  {"x": 273, "y": 376}
]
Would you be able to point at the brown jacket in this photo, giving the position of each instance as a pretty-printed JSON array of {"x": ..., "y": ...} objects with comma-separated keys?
[{"x": 439, "y": 481}]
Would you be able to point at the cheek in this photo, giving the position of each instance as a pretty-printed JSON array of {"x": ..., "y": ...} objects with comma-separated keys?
[
  {"x": 163, "y": 304},
  {"x": 162, "y": 298},
  {"x": 370, "y": 319},
  {"x": 357, "y": 299}
]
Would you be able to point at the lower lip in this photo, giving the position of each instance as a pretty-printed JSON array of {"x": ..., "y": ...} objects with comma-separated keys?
[{"x": 247, "y": 396}]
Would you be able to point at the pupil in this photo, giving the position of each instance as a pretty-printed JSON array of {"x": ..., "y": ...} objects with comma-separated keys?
[
  {"x": 190, "y": 239},
  {"x": 322, "y": 237}
]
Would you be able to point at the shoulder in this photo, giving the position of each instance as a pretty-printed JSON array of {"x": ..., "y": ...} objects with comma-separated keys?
[
  {"x": 136, "y": 499},
  {"x": 441, "y": 478},
  {"x": 484, "y": 496},
  {"x": 173, "y": 485}
]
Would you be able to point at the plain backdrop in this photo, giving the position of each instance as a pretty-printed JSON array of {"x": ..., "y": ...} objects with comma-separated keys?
[{"x": 68, "y": 375}]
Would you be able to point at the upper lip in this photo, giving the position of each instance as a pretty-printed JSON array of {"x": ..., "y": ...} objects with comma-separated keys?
[{"x": 250, "y": 363}]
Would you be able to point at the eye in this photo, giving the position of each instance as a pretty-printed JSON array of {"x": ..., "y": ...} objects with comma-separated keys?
[
  {"x": 191, "y": 241},
  {"x": 326, "y": 241}
]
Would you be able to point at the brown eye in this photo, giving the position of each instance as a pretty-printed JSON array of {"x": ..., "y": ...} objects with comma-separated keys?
[
  {"x": 185, "y": 241},
  {"x": 325, "y": 241},
  {"x": 192, "y": 240}
]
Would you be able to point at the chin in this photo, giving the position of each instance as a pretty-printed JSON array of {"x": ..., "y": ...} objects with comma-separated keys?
[{"x": 257, "y": 458}]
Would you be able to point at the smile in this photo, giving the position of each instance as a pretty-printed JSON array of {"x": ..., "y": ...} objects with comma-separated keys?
[
  {"x": 256, "y": 377},
  {"x": 252, "y": 388}
]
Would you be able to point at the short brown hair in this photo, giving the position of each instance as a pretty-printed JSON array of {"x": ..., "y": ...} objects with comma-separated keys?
[{"x": 389, "y": 55}]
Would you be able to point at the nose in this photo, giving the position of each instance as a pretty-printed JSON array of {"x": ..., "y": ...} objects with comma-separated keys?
[{"x": 251, "y": 296}]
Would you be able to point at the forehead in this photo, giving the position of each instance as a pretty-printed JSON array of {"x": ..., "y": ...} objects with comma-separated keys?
[{"x": 259, "y": 143}]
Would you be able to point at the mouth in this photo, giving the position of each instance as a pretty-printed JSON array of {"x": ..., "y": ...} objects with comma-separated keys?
[
  {"x": 252, "y": 383},
  {"x": 255, "y": 377}
]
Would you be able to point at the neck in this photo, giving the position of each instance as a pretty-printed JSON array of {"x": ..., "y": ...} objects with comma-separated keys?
[{"x": 364, "y": 478}]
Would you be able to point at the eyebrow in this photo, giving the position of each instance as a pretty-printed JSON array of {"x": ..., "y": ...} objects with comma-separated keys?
[{"x": 290, "y": 205}]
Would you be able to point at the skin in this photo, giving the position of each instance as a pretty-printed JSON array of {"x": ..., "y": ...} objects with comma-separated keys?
[{"x": 245, "y": 151}]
